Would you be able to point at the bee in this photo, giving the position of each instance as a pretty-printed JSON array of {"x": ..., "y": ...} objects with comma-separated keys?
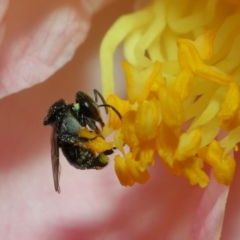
[{"x": 67, "y": 120}]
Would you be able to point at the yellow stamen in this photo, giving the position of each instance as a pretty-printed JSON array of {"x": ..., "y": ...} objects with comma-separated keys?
[
  {"x": 204, "y": 44},
  {"x": 128, "y": 129},
  {"x": 183, "y": 84},
  {"x": 147, "y": 120},
  {"x": 166, "y": 143},
  {"x": 122, "y": 107},
  {"x": 171, "y": 107},
  {"x": 139, "y": 83},
  {"x": 124, "y": 26},
  {"x": 223, "y": 166},
  {"x": 189, "y": 59},
  {"x": 182, "y": 73},
  {"x": 122, "y": 172},
  {"x": 135, "y": 170},
  {"x": 128, "y": 171},
  {"x": 192, "y": 169},
  {"x": 145, "y": 156},
  {"x": 188, "y": 145},
  {"x": 230, "y": 112}
]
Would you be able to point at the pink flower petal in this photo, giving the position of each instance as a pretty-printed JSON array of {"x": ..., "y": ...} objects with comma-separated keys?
[
  {"x": 3, "y": 8},
  {"x": 208, "y": 220},
  {"x": 38, "y": 37},
  {"x": 231, "y": 222}
]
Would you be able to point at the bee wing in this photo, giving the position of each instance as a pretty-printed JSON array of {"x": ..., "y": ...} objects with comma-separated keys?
[{"x": 56, "y": 167}]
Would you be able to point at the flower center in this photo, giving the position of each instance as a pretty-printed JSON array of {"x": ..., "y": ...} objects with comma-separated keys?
[{"x": 182, "y": 83}]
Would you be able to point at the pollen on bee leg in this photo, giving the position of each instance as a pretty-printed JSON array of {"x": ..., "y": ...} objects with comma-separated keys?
[
  {"x": 85, "y": 133},
  {"x": 97, "y": 143},
  {"x": 103, "y": 158}
]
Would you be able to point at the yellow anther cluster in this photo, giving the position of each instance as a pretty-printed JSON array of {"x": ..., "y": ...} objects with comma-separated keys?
[{"x": 182, "y": 84}]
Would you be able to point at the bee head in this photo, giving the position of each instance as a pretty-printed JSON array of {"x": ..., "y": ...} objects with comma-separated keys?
[{"x": 88, "y": 107}]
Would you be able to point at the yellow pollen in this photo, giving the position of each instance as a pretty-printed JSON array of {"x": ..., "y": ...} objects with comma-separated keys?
[
  {"x": 128, "y": 129},
  {"x": 147, "y": 120},
  {"x": 230, "y": 111},
  {"x": 96, "y": 143},
  {"x": 223, "y": 166},
  {"x": 183, "y": 84},
  {"x": 188, "y": 145},
  {"x": 171, "y": 107},
  {"x": 128, "y": 171}
]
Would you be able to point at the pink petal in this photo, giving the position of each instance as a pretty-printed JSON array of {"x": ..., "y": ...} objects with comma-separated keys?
[
  {"x": 208, "y": 220},
  {"x": 3, "y": 8},
  {"x": 231, "y": 222},
  {"x": 39, "y": 37}
]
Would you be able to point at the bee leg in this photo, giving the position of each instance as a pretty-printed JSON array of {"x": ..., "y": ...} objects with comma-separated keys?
[
  {"x": 92, "y": 125},
  {"x": 108, "y": 152}
]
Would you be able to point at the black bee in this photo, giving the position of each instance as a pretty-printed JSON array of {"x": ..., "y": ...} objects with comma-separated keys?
[{"x": 67, "y": 120}]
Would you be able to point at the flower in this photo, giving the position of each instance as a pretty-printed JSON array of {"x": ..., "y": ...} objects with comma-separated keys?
[
  {"x": 182, "y": 84},
  {"x": 92, "y": 204}
]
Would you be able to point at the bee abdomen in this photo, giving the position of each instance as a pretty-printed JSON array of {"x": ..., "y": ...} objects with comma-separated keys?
[{"x": 81, "y": 157}]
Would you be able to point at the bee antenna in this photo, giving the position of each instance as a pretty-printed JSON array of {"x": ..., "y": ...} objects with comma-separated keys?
[
  {"x": 96, "y": 94},
  {"x": 113, "y": 108}
]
